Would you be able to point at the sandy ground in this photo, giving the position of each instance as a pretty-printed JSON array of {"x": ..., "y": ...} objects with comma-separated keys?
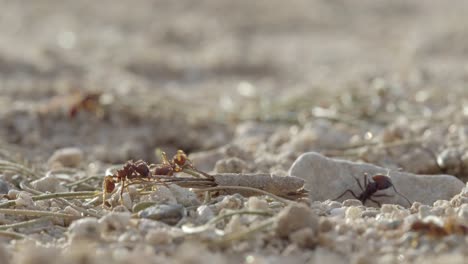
[{"x": 200, "y": 75}]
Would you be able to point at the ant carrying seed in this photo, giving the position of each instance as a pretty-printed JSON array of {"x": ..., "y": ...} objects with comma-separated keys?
[
  {"x": 131, "y": 172},
  {"x": 141, "y": 172},
  {"x": 380, "y": 182}
]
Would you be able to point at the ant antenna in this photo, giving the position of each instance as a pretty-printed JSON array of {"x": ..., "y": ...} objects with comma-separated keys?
[{"x": 393, "y": 186}]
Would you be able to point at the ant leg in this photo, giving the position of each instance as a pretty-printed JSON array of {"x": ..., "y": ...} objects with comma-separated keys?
[
  {"x": 359, "y": 183},
  {"x": 348, "y": 190},
  {"x": 382, "y": 195},
  {"x": 377, "y": 202},
  {"x": 121, "y": 191}
]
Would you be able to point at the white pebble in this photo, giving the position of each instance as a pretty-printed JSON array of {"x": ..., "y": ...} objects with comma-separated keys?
[
  {"x": 24, "y": 199},
  {"x": 205, "y": 213},
  {"x": 184, "y": 196},
  {"x": 66, "y": 157},
  {"x": 338, "y": 212},
  {"x": 304, "y": 237},
  {"x": 72, "y": 211},
  {"x": 115, "y": 221},
  {"x": 353, "y": 212},
  {"x": 158, "y": 237},
  {"x": 49, "y": 183},
  {"x": 127, "y": 200},
  {"x": 293, "y": 218},
  {"x": 254, "y": 203},
  {"x": 85, "y": 228}
]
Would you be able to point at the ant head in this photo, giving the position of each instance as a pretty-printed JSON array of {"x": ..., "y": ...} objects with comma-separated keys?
[
  {"x": 109, "y": 184},
  {"x": 382, "y": 181},
  {"x": 180, "y": 158}
]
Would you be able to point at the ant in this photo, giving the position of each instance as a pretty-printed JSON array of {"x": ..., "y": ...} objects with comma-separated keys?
[
  {"x": 131, "y": 171},
  {"x": 380, "y": 182},
  {"x": 88, "y": 102},
  {"x": 178, "y": 163},
  {"x": 140, "y": 171}
]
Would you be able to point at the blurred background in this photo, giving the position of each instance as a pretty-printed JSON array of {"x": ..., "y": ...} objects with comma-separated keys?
[{"x": 186, "y": 74}]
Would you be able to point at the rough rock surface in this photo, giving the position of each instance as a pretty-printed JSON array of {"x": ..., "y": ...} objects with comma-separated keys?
[{"x": 327, "y": 178}]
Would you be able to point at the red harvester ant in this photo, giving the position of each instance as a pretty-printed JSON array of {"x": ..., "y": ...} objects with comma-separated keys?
[
  {"x": 140, "y": 171},
  {"x": 380, "y": 182},
  {"x": 131, "y": 171}
]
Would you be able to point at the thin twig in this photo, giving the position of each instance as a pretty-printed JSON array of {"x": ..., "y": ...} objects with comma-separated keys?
[
  {"x": 34, "y": 213},
  {"x": 26, "y": 223},
  {"x": 76, "y": 195},
  {"x": 12, "y": 235},
  {"x": 84, "y": 180}
]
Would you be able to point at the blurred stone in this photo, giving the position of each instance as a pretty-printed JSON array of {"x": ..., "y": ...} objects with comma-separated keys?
[
  {"x": 293, "y": 218},
  {"x": 169, "y": 214},
  {"x": 49, "y": 183},
  {"x": 4, "y": 187},
  {"x": 66, "y": 157}
]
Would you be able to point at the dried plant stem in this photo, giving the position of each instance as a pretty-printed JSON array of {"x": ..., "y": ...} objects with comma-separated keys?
[
  {"x": 84, "y": 180},
  {"x": 245, "y": 188},
  {"x": 202, "y": 228},
  {"x": 14, "y": 167},
  {"x": 12, "y": 235},
  {"x": 26, "y": 223},
  {"x": 25, "y": 186},
  {"x": 35, "y": 213},
  {"x": 76, "y": 195}
]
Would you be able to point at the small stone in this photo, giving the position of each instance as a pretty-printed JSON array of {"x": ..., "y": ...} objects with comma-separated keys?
[
  {"x": 353, "y": 212},
  {"x": 24, "y": 199},
  {"x": 127, "y": 200},
  {"x": 13, "y": 194},
  {"x": 169, "y": 214},
  {"x": 304, "y": 238},
  {"x": 387, "y": 208},
  {"x": 161, "y": 195},
  {"x": 235, "y": 225},
  {"x": 293, "y": 218},
  {"x": 66, "y": 157},
  {"x": 424, "y": 211},
  {"x": 254, "y": 203},
  {"x": 325, "y": 225},
  {"x": 327, "y": 178},
  {"x": 204, "y": 213},
  {"x": 334, "y": 204},
  {"x": 449, "y": 160},
  {"x": 338, "y": 212},
  {"x": 184, "y": 196},
  {"x": 4, "y": 187},
  {"x": 49, "y": 183},
  {"x": 85, "y": 228},
  {"x": 229, "y": 202},
  {"x": 157, "y": 237},
  {"x": 352, "y": 202},
  {"x": 69, "y": 210},
  {"x": 463, "y": 213},
  {"x": 115, "y": 221},
  {"x": 369, "y": 213}
]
